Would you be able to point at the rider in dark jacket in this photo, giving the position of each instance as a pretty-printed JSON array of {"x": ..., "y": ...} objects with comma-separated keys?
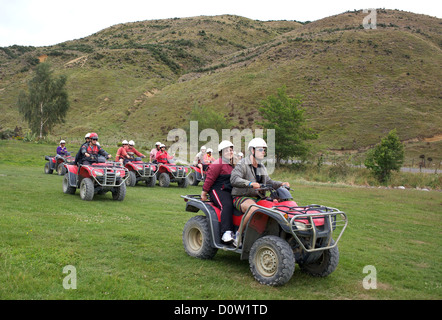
[
  {"x": 91, "y": 151},
  {"x": 217, "y": 185}
]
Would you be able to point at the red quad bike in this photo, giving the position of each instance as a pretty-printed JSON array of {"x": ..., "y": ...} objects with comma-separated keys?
[
  {"x": 141, "y": 171},
  {"x": 171, "y": 172},
  {"x": 57, "y": 163},
  {"x": 196, "y": 176},
  {"x": 276, "y": 236},
  {"x": 96, "y": 178}
]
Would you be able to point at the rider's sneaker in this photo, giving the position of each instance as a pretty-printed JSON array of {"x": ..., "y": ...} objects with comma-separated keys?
[
  {"x": 235, "y": 239},
  {"x": 227, "y": 236}
]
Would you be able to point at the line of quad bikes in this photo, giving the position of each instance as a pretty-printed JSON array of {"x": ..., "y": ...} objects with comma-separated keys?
[{"x": 277, "y": 236}]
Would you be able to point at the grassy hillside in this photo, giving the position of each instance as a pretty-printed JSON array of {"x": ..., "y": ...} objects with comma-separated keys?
[{"x": 141, "y": 79}]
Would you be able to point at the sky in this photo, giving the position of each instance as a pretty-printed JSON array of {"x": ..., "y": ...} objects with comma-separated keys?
[{"x": 48, "y": 22}]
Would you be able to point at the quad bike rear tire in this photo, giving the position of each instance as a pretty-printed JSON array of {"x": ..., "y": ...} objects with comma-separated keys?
[
  {"x": 131, "y": 181},
  {"x": 324, "y": 265},
  {"x": 86, "y": 189},
  {"x": 66, "y": 187},
  {"x": 48, "y": 169},
  {"x": 164, "y": 180},
  {"x": 197, "y": 238},
  {"x": 272, "y": 261},
  {"x": 118, "y": 193}
]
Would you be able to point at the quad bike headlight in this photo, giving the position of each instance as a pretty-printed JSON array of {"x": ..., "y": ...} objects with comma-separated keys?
[
  {"x": 98, "y": 173},
  {"x": 301, "y": 226}
]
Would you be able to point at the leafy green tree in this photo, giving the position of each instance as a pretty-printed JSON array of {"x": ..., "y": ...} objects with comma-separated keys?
[
  {"x": 46, "y": 102},
  {"x": 386, "y": 157},
  {"x": 286, "y": 116},
  {"x": 208, "y": 119}
]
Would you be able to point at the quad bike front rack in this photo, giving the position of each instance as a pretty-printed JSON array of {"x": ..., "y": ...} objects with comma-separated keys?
[
  {"x": 106, "y": 175},
  {"x": 145, "y": 170},
  {"x": 177, "y": 171}
]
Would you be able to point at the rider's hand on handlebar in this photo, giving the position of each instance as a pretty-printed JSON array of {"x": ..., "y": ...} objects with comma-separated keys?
[
  {"x": 203, "y": 196},
  {"x": 286, "y": 184},
  {"x": 255, "y": 185}
]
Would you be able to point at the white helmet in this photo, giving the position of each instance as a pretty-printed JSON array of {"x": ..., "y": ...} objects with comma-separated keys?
[
  {"x": 124, "y": 142},
  {"x": 257, "y": 142},
  {"x": 224, "y": 144},
  {"x": 158, "y": 144},
  {"x": 62, "y": 141},
  {"x": 209, "y": 150},
  {"x": 87, "y": 135},
  {"x": 162, "y": 145},
  {"x": 240, "y": 154},
  {"x": 131, "y": 143},
  {"x": 203, "y": 148}
]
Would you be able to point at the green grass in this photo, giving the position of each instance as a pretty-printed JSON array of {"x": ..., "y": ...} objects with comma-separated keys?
[{"x": 133, "y": 249}]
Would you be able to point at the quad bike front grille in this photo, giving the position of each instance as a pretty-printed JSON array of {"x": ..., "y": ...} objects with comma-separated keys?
[
  {"x": 110, "y": 176},
  {"x": 147, "y": 171},
  {"x": 179, "y": 172}
]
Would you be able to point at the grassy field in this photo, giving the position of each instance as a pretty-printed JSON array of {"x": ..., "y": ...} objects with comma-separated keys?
[{"x": 133, "y": 249}]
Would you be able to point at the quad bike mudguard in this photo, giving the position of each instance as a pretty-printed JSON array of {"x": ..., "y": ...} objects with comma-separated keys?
[
  {"x": 52, "y": 162},
  {"x": 194, "y": 204},
  {"x": 72, "y": 172}
]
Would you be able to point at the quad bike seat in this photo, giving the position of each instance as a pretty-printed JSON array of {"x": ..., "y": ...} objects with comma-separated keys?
[{"x": 237, "y": 215}]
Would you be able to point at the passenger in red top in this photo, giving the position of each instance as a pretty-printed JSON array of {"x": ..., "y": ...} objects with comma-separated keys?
[
  {"x": 121, "y": 153},
  {"x": 132, "y": 152},
  {"x": 162, "y": 155},
  {"x": 217, "y": 185}
]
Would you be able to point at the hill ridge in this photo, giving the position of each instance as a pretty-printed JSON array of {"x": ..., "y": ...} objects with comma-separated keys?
[{"x": 357, "y": 84}]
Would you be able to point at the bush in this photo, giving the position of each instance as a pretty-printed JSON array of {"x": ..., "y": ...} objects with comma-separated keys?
[
  {"x": 386, "y": 157},
  {"x": 6, "y": 134}
]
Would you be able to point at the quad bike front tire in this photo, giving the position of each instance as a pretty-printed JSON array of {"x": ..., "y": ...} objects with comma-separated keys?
[
  {"x": 150, "y": 182},
  {"x": 324, "y": 265},
  {"x": 119, "y": 193},
  {"x": 66, "y": 187},
  {"x": 61, "y": 169},
  {"x": 272, "y": 261},
  {"x": 183, "y": 182},
  {"x": 164, "y": 180},
  {"x": 197, "y": 238},
  {"x": 48, "y": 169},
  {"x": 86, "y": 189}
]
